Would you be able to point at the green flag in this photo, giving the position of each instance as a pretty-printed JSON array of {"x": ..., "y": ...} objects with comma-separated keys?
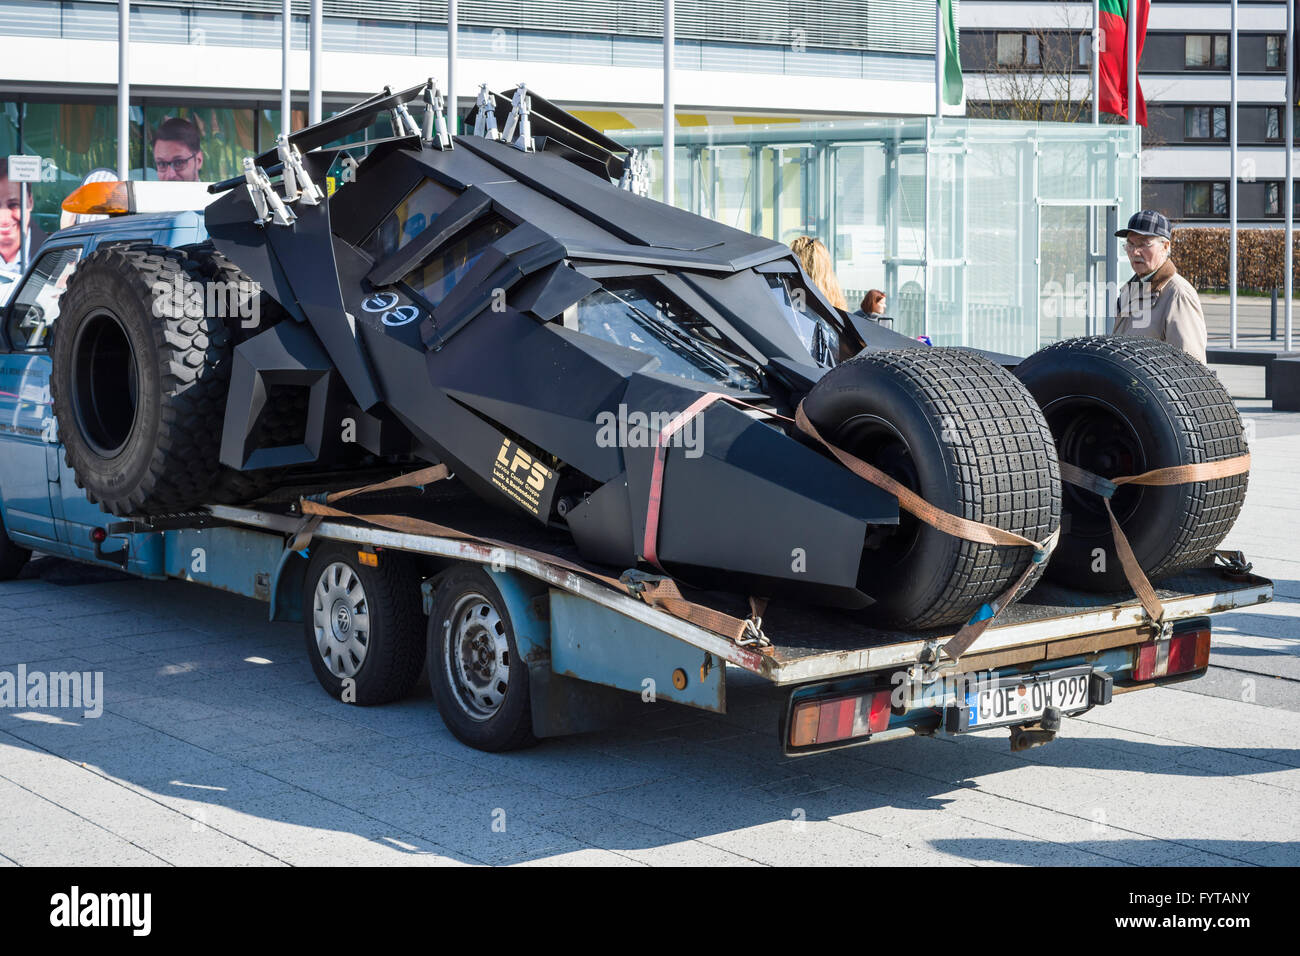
[{"x": 951, "y": 55}]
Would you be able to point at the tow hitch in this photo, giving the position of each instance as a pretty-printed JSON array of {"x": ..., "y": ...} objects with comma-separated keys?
[{"x": 1024, "y": 736}]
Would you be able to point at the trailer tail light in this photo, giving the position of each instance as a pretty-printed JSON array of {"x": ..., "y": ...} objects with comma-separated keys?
[
  {"x": 827, "y": 720},
  {"x": 1180, "y": 654}
]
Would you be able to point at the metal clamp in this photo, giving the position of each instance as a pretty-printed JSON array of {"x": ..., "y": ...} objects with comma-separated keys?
[
  {"x": 753, "y": 634},
  {"x": 485, "y": 118},
  {"x": 298, "y": 186},
  {"x": 520, "y": 106},
  {"x": 266, "y": 201},
  {"x": 435, "y": 118}
]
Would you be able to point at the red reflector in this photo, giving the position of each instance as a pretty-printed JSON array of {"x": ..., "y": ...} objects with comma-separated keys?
[
  {"x": 1178, "y": 655},
  {"x": 98, "y": 535},
  {"x": 880, "y": 712}
]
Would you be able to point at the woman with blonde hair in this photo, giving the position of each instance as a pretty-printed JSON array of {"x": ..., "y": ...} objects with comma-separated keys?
[{"x": 816, "y": 261}]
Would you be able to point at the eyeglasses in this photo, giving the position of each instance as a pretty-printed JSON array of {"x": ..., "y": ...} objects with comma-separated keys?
[
  {"x": 1130, "y": 244},
  {"x": 177, "y": 164}
]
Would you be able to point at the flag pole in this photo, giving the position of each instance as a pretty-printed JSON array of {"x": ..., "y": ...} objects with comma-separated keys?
[
  {"x": 1095, "y": 71},
  {"x": 286, "y": 106},
  {"x": 938, "y": 59},
  {"x": 670, "y": 109},
  {"x": 1290, "y": 148},
  {"x": 313, "y": 66},
  {"x": 453, "y": 28},
  {"x": 123, "y": 90},
  {"x": 1130, "y": 40},
  {"x": 1232, "y": 179}
]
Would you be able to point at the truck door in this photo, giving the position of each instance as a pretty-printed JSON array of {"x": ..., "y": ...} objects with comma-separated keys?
[{"x": 29, "y": 463}]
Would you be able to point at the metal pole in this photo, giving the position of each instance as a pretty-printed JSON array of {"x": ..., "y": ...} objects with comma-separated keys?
[
  {"x": 123, "y": 89},
  {"x": 938, "y": 59},
  {"x": 313, "y": 100},
  {"x": 453, "y": 25},
  {"x": 1290, "y": 148},
  {"x": 23, "y": 227},
  {"x": 1232, "y": 180},
  {"x": 670, "y": 108},
  {"x": 1094, "y": 69},
  {"x": 286, "y": 106},
  {"x": 1131, "y": 42}
]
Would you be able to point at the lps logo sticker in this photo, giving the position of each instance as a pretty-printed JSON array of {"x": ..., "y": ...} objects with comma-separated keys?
[
  {"x": 379, "y": 301},
  {"x": 400, "y": 315}
]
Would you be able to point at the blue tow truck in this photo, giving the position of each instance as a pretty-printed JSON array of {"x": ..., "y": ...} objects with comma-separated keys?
[{"x": 519, "y": 646}]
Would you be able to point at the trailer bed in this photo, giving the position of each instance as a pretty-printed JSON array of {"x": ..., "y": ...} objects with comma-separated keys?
[{"x": 807, "y": 643}]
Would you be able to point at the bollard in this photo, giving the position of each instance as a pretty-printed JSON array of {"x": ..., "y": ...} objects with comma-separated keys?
[{"x": 1272, "y": 320}]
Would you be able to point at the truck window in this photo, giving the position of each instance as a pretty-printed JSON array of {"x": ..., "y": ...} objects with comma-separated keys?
[{"x": 36, "y": 304}]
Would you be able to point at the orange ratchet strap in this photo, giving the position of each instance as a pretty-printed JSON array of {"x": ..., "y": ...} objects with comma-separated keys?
[{"x": 1176, "y": 475}]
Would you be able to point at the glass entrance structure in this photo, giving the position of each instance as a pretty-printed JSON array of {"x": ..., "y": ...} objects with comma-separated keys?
[{"x": 987, "y": 233}]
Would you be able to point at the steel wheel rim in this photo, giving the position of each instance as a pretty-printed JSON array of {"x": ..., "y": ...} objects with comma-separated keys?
[
  {"x": 476, "y": 656},
  {"x": 341, "y": 620}
]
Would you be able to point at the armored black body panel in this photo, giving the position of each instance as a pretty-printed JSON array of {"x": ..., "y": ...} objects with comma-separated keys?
[{"x": 540, "y": 330}]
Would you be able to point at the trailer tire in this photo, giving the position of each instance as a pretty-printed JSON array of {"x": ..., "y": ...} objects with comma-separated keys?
[
  {"x": 363, "y": 624},
  {"x": 479, "y": 680},
  {"x": 1123, "y": 406},
  {"x": 965, "y": 435},
  {"x": 139, "y": 379},
  {"x": 12, "y": 557}
]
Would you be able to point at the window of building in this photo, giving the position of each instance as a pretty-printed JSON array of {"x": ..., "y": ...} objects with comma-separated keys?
[
  {"x": 1273, "y": 123},
  {"x": 1204, "y": 51},
  {"x": 1272, "y": 200},
  {"x": 1205, "y": 122},
  {"x": 1085, "y": 49},
  {"x": 1273, "y": 56},
  {"x": 1019, "y": 49},
  {"x": 1205, "y": 199},
  {"x": 1010, "y": 49}
]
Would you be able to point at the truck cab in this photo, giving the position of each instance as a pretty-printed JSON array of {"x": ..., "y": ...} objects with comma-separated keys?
[{"x": 41, "y": 506}]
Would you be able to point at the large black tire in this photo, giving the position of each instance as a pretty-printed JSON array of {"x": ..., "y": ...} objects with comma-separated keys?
[
  {"x": 12, "y": 557},
  {"x": 246, "y": 309},
  {"x": 139, "y": 380},
  {"x": 965, "y": 435},
  {"x": 1122, "y": 406},
  {"x": 479, "y": 679},
  {"x": 364, "y": 626}
]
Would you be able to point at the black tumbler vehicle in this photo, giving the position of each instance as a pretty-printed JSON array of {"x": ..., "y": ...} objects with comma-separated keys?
[{"x": 507, "y": 303}]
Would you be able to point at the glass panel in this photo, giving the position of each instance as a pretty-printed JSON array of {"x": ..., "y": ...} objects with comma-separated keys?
[
  {"x": 159, "y": 24},
  {"x": 24, "y": 18},
  {"x": 1032, "y": 55},
  {"x": 1063, "y": 274},
  {"x": 860, "y": 193},
  {"x": 1220, "y": 199},
  {"x": 1220, "y": 122},
  {"x": 734, "y": 190},
  {"x": 1273, "y": 52},
  {"x": 1196, "y": 122},
  {"x": 626, "y": 316},
  {"x": 1196, "y": 199},
  {"x": 440, "y": 273},
  {"x": 412, "y": 216},
  {"x": 816, "y": 334},
  {"x": 1274, "y": 123},
  {"x": 1010, "y": 49},
  {"x": 1220, "y": 50},
  {"x": 89, "y": 21},
  {"x": 74, "y": 139},
  {"x": 37, "y": 305},
  {"x": 1196, "y": 50}
]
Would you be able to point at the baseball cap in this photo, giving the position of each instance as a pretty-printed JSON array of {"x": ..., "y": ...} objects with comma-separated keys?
[{"x": 1148, "y": 222}]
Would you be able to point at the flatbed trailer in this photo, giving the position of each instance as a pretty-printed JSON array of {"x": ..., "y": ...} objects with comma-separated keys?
[{"x": 593, "y": 652}]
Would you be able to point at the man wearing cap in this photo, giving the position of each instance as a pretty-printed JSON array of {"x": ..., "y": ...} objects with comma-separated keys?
[{"x": 1158, "y": 303}]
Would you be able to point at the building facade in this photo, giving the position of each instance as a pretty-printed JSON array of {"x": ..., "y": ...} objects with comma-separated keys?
[{"x": 1016, "y": 53}]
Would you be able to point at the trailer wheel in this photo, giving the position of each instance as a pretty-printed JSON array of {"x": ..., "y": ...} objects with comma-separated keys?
[
  {"x": 12, "y": 557},
  {"x": 967, "y": 437},
  {"x": 479, "y": 680},
  {"x": 363, "y": 624},
  {"x": 1123, "y": 406}
]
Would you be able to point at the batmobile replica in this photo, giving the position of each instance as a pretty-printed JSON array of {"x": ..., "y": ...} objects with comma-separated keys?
[{"x": 508, "y": 303}]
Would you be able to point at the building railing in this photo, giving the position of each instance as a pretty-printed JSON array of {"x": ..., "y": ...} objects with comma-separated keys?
[{"x": 201, "y": 26}]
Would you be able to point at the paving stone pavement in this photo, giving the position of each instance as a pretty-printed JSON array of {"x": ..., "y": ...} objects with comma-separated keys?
[{"x": 217, "y": 747}]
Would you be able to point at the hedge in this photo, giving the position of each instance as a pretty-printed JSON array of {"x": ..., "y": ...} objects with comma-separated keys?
[{"x": 1201, "y": 255}]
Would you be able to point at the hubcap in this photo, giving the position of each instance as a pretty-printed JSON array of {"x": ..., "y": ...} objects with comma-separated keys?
[
  {"x": 341, "y": 620},
  {"x": 477, "y": 656}
]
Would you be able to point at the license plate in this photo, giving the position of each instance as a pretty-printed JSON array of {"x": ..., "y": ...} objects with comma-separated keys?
[{"x": 1021, "y": 700}]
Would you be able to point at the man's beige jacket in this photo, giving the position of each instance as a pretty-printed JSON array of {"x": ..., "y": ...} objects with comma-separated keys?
[{"x": 1164, "y": 307}]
